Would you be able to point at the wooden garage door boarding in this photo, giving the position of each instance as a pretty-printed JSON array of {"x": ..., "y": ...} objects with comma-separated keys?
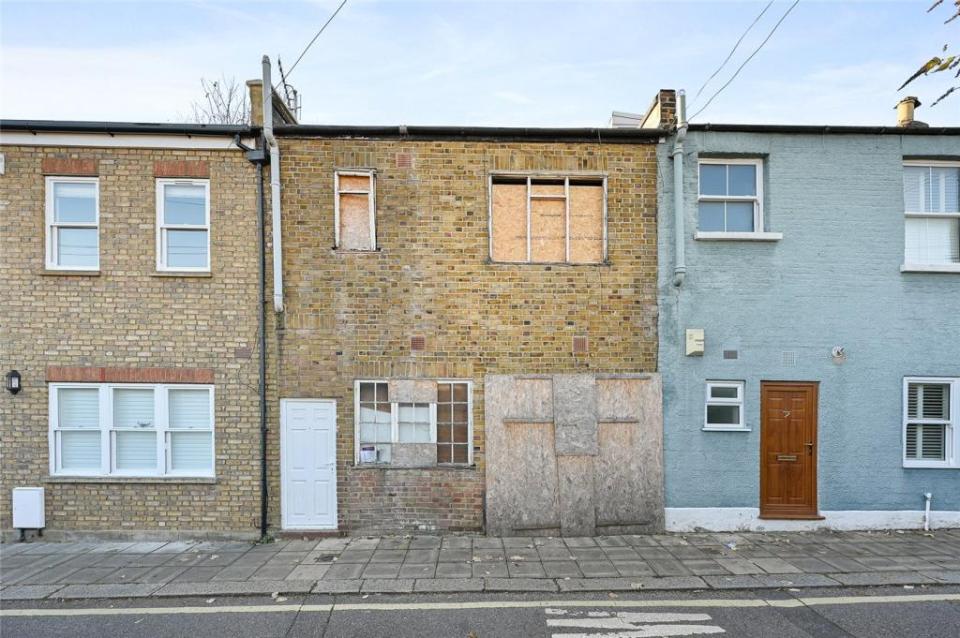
[{"x": 788, "y": 450}]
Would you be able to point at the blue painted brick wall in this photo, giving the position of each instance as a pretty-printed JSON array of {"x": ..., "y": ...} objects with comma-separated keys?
[{"x": 834, "y": 279}]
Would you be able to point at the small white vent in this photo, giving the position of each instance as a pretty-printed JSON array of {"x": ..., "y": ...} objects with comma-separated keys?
[{"x": 789, "y": 358}]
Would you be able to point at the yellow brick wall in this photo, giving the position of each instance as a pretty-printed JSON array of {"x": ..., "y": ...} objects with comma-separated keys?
[
  {"x": 129, "y": 317},
  {"x": 350, "y": 315}
]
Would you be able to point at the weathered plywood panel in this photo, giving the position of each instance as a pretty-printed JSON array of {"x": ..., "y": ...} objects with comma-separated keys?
[
  {"x": 575, "y": 413},
  {"x": 548, "y": 227},
  {"x": 354, "y": 183},
  {"x": 413, "y": 455},
  {"x": 575, "y": 474},
  {"x": 529, "y": 500},
  {"x": 509, "y": 222},
  {"x": 413, "y": 390},
  {"x": 619, "y": 399},
  {"x": 586, "y": 224},
  {"x": 532, "y": 400},
  {"x": 536, "y": 479},
  {"x": 355, "y": 222}
]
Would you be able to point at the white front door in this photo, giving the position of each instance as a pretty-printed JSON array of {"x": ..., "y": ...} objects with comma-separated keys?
[{"x": 308, "y": 464}]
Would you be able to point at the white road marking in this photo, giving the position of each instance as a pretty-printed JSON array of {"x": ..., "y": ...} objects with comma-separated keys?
[
  {"x": 492, "y": 604},
  {"x": 653, "y": 631},
  {"x": 630, "y": 624},
  {"x": 623, "y": 618}
]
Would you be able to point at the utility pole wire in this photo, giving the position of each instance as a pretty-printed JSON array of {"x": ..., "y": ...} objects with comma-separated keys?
[
  {"x": 740, "y": 68},
  {"x": 733, "y": 50},
  {"x": 307, "y": 48}
]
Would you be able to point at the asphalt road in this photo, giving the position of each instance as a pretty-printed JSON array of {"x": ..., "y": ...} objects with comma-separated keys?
[{"x": 873, "y": 613}]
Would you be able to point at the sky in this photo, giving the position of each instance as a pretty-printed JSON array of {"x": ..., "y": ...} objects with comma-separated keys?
[{"x": 458, "y": 62}]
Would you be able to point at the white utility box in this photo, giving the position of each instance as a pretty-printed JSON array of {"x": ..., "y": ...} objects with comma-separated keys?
[{"x": 28, "y": 508}]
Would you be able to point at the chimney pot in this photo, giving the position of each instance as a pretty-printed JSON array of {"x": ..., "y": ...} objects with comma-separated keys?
[{"x": 905, "y": 112}]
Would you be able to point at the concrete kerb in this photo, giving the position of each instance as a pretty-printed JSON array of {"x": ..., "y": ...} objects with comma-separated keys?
[{"x": 451, "y": 585}]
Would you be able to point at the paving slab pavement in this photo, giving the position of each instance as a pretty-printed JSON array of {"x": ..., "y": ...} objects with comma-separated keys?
[{"x": 465, "y": 563}]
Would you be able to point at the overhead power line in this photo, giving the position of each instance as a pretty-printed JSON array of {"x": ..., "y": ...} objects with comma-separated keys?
[
  {"x": 740, "y": 68},
  {"x": 307, "y": 48},
  {"x": 733, "y": 50}
]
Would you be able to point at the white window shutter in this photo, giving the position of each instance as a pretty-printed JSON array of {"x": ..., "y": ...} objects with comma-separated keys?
[
  {"x": 132, "y": 408},
  {"x": 80, "y": 450},
  {"x": 136, "y": 450},
  {"x": 191, "y": 451},
  {"x": 189, "y": 409},
  {"x": 79, "y": 408}
]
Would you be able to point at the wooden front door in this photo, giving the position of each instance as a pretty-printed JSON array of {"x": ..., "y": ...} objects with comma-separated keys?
[{"x": 788, "y": 450}]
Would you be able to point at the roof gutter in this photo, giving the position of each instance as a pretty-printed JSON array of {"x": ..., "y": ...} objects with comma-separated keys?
[
  {"x": 822, "y": 129},
  {"x": 478, "y": 133},
  {"x": 274, "y": 186},
  {"x": 54, "y": 126}
]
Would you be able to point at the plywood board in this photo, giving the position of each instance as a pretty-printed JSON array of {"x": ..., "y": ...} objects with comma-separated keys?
[
  {"x": 586, "y": 224},
  {"x": 548, "y": 227},
  {"x": 577, "y": 513},
  {"x": 354, "y": 183},
  {"x": 547, "y": 190},
  {"x": 509, "y": 222},
  {"x": 575, "y": 410},
  {"x": 529, "y": 496},
  {"x": 413, "y": 390},
  {"x": 355, "y": 222}
]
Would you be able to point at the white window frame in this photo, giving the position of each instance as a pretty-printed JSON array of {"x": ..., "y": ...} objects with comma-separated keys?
[
  {"x": 757, "y": 200},
  {"x": 107, "y": 431},
  {"x": 951, "y": 438},
  {"x": 52, "y": 224},
  {"x": 738, "y": 401},
  {"x": 600, "y": 179},
  {"x": 162, "y": 227},
  {"x": 372, "y": 202},
  {"x": 395, "y": 427},
  {"x": 946, "y": 266}
]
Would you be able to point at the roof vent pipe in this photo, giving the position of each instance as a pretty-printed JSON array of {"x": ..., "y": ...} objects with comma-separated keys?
[
  {"x": 680, "y": 267},
  {"x": 274, "y": 186}
]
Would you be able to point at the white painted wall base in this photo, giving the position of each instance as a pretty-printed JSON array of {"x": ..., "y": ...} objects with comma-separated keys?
[{"x": 747, "y": 519}]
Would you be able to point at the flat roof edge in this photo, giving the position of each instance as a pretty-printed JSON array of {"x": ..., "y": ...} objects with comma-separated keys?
[
  {"x": 478, "y": 133},
  {"x": 58, "y": 126},
  {"x": 825, "y": 129}
]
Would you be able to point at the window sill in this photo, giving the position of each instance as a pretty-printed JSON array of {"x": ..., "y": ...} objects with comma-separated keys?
[
  {"x": 718, "y": 429},
  {"x": 591, "y": 264},
  {"x": 386, "y": 466},
  {"x": 181, "y": 273},
  {"x": 355, "y": 251},
  {"x": 945, "y": 268},
  {"x": 930, "y": 466},
  {"x": 718, "y": 236},
  {"x": 174, "y": 480},
  {"x": 56, "y": 272}
]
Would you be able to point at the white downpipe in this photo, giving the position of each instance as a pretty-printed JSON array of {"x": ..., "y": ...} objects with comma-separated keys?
[
  {"x": 274, "y": 186},
  {"x": 680, "y": 266},
  {"x": 926, "y": 512}
]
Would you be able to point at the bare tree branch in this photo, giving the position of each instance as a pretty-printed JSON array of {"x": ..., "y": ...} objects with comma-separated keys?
[{"x": 224, "y": 102}]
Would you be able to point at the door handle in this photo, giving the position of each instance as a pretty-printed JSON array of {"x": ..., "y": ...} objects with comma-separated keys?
[{"x": 809, "y": 447}]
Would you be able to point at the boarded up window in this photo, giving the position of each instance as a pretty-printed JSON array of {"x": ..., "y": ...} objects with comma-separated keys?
[
  {"x": 355, "y": 210},
  {"x": 547, "y": 220}
]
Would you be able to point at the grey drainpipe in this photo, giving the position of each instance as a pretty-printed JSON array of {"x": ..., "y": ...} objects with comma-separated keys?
[
  {"x": 263, "y": 354},
  {"x": 257, "y": 157},
  {"x": 274, "y": 186},
  {"x": 680, "y": 267}
]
